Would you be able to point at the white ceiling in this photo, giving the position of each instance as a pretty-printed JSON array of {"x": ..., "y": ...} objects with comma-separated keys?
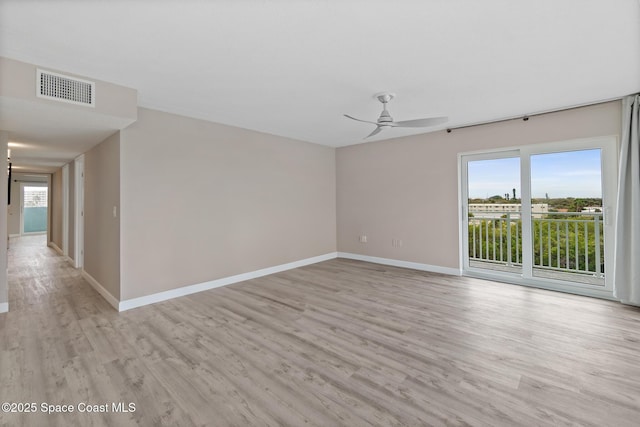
[
  {"x": 45, "y": 136},
  {"x": 293, "y": 68}
]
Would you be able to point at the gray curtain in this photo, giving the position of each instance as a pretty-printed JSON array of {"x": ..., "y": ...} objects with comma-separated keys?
[{"x": 626, "y": 274}]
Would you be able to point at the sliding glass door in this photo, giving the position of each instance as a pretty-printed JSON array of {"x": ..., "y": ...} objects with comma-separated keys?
[
  {"x": 33, "y": 215},
  {"x": 566, "y": 216},
  {"x": 541, "y": 215},
  {"x": 493, "y": 213}
]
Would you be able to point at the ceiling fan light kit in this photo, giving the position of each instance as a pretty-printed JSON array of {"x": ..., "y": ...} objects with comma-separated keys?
[{"x": 386, "y": 121}]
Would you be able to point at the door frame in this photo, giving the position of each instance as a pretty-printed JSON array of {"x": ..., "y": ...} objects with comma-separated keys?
[
  {"x": 463, "y": 191},
  {"x": 65, "y": 210},
  {"x": 609, "y": 165},
  {"x": 44, "y": 184},
  {"x": 78, "y": 257}
]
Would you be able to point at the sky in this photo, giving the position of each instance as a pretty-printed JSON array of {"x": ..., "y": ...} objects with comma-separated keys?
[{"x": 567, "y": 174}]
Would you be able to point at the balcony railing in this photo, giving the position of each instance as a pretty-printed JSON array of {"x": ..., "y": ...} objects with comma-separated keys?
[{"x": 563, "y": 242}]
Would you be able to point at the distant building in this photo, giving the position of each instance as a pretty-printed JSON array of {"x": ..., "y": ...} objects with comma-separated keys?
[
  {"x": 592, "y": 209},
  {"x": 496, "y": 210}
]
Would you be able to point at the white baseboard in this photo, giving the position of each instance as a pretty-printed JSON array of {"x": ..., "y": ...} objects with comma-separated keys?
[
  {"x": 14, "y": 235},
  {"x": 191, "y": 289},
  {"x": 200, "y": 287},
  {"x": 404, "y": 264},
  {"x": 627, "y": 302},
  {"x": 4, "y": 307},
  {"x": 101, "y": 290},
  {"x": 55, "y": 247}
]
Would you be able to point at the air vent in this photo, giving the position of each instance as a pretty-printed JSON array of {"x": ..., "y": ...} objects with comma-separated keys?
[{"x": 63, "y": 88}]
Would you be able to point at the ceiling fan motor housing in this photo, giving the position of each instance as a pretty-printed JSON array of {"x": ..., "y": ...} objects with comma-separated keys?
[
  {"x": 384, "y": 98},
  {"x": 386, "y": 121},
  {"x": 385, "y": 117}
]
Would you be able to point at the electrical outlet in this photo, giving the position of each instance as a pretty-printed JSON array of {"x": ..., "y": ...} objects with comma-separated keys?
[
  {"x": 363, "y": 239},
  {"x": 396, "y": 243}
]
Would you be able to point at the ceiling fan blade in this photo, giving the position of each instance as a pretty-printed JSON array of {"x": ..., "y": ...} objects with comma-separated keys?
[
  {"x": 365, "y": 121},
  {"x": 420, "y": 123},
  {"x": 376, "y": 131}
]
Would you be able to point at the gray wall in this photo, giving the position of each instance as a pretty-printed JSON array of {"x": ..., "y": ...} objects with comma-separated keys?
[
  {"x": 13, "y": 219},
  {"x": 4, "y": 288},
  {"x": 71, "y": 243},
  {"x": 55, "y": 209},
  {"x": 101, "y": 228},
  {"x": 202, "y": 201},
  {"x": 407, "y": 188}
]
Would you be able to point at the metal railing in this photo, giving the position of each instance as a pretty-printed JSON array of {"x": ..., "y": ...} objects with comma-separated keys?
[{"x": 562, "y": 241}]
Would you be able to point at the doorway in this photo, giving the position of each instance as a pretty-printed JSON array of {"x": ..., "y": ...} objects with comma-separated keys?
[
  {"x": 33, "y": 212},
  {"x": 541, "y": 215}
]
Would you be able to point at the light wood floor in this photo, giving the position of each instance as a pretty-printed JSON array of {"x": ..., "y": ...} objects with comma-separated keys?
[{"x": 336, "y": 343}]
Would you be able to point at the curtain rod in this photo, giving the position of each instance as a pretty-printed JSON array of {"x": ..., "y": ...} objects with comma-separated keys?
[{"x": 539, "y": 113}]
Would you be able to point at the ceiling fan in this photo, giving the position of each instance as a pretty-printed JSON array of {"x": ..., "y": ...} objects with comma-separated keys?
[{"x": 386, "y": 121}]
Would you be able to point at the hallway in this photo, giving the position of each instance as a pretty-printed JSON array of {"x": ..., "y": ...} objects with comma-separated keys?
[
  {"x": 49, "y": 342},
  {"x": 40, "y": 279}
]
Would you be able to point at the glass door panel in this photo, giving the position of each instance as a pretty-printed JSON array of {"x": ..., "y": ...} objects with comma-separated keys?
[
  {"x": 34, "y": 209},
  {"x": 494, "y": 215},
  {"x": 567, "y": 216}
]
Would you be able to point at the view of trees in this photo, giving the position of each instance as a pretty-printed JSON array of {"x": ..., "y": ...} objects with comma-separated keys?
[
  {"x": 556, "y": 204},
  {"x": 567, "y": 242}
]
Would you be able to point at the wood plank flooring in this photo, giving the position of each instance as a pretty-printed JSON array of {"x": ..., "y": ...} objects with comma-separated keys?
[{"x": 340, "y": 343}]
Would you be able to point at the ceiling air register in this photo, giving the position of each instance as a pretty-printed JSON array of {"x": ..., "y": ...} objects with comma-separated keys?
[{"x": 59, "y": 87}]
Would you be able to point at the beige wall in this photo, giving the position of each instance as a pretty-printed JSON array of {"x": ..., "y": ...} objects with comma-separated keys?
[
  {"x": 202, "y": 201},
  {"x": 71, "y": 242},
  {"x": 101, "y": 228},
  {"x": 4, "y": 289},
  {"x": 407, "y": 188},
  {"x": 55, "y": 209},
  {"x": 18, "y": 81}
]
